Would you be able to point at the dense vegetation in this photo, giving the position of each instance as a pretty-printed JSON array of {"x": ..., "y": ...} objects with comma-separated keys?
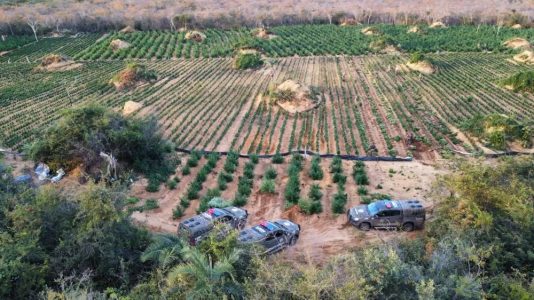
[
  {"x": 247, "y": 60},
  {"x": 13, "y": 42},
  {"x": 478, "y": 245},
  {"x": 497, "y": 130},
  {"x": 82, "y": 134},
  {"x": 521, "y": 82},
  {"x": 302, "y": 40},
  {"x": 55, "y": 241}
]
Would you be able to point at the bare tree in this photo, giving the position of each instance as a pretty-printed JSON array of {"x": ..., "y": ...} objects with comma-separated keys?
[{"x": 33, "y": 23}]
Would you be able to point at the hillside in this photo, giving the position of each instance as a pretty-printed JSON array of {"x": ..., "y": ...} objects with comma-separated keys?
[{"x": 308, "y": 161}]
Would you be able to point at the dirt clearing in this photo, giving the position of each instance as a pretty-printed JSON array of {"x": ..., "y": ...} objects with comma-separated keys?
[{"x": 322, "y": 235}]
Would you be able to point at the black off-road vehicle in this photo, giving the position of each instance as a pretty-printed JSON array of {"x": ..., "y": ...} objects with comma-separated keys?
[
  {"x": 274, "y": 236},
  {"x": 386, "y": 214},
  {"x": 196, "y": 228}
]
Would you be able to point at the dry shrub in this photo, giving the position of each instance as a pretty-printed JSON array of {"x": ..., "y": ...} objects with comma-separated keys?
[
  {"x": 118, "y": 44},
  {"x": 131, "y": 76},
  {"x": 348, "y": 22},
  {"x": 294, "y": 97},
  {"x": 127, "y": 29},
  {"x": 370, "y": 31},
  {"x": 438, "y": 24},
  {"x": 53, "y": 59},
  {"x": 517, "y": 43},
  {"x": 414, "y": 29},
  {"x": 526, "y": 57},
  {"x": 194, "y": 35},
  {"x": 263, "y": 33}
]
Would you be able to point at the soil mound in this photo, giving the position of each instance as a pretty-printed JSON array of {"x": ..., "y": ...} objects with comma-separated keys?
[
  {"x": 348, "y": 22},
  {"x": 517, "y": 43},
  {"x": 526, "y": 57},
  {"x": 55, "y": 62},
  {"x": 133, "y": 75},
  {"x": 424, "y": 67},
  {"x": 196, "y": 36},
  {"x": 293, "y": 97},
  {"x": 127, "y": 29},
  {"x": 130, "y": 107},
  {"x": 370, "y": 31},
  {"x": 516, "y": 26},
  {"x": 118, "y": 44},
  {"x": 438, "y": 24},
  {"x": 263, "y": 33}
]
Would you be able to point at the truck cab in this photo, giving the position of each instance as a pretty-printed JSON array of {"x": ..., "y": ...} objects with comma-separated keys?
[
  {"x": 387, "y": 214},
  {"x": 196, "y": 228}
]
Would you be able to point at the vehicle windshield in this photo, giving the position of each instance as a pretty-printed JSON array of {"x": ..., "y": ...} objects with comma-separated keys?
[{"x": 373, "y": 208}]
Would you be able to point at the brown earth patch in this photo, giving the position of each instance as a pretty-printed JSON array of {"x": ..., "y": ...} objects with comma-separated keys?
[
  {"x": 526, "y": 57},
  {"x": 424, "y": 67},
  {"x": 118, "y": 44},
  {"x": 517, "y": 43}
]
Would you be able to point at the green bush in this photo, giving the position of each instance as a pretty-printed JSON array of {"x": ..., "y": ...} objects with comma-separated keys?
[
  {"x": 310, "y": 207},
  {"x": 315, "y": 193},
  {"x": 278, "y": 159},
  {"x": 177, "y": 212},
  {"x": 339, "y": 202},
  {"x": 292, "y": 190},
  {"x": 339, "y": 178},
  {"x": 153, "y": 185},
  {"x": 336, "y": 166},
  {"x": 270, "y": 173},
  {"x": 151, "y": 204},
  {"x": 362, "y": 190},
  {"x": 132, "y": 200},
  {"x": 268, "y": 186},
  {"x": 171, "y": 184},
  {"x": 186, "y": 170},
  {"x": 221, "y": 182},
  {"x": 184, "y": 202},
  {"x": 81, "y": 134},
  {"x": 416, "y": 57},
  {"x": 247, "y": 60},
  {"x": 521, "y": 81},
  {"x": 192, "y": 161},
  {"x": 193, "y": 190},
  {"x": 316, "y": 172},
  {"x": 254, "y": 159},
  {"x": 240, "y": 200}
]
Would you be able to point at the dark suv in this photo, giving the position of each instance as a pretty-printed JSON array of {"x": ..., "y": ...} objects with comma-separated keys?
[
  {"x": 386, "y": 214},
  {"x": 274, "y": 236},
  {"x": 198, "y": 227}
]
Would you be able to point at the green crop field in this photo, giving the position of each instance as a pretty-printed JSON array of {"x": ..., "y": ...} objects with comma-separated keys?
[{"x": 205, "y": 104}]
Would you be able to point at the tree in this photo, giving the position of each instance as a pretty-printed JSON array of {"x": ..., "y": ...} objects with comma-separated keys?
[
  {"x": 34, "y": 24},
  {"x": 200, "y": 277},
  {"x": 165, "y": 250}
]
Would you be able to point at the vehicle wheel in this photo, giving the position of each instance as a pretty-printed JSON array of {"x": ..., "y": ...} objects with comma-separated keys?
[
  {"x": 293, "y": 240},
  {"x": 365, "y": 226},
  {"x": 407, "y": 227}
]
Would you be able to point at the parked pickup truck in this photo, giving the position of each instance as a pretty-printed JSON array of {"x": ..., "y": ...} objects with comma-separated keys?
[
  {"x": 196, "y": 228},
  {"x": 274, "y": 236},
  {"x": 399, "y": 214}
]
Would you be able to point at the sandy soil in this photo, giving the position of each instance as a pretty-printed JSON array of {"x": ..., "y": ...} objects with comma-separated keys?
[{"x": 322, "y": 235}]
